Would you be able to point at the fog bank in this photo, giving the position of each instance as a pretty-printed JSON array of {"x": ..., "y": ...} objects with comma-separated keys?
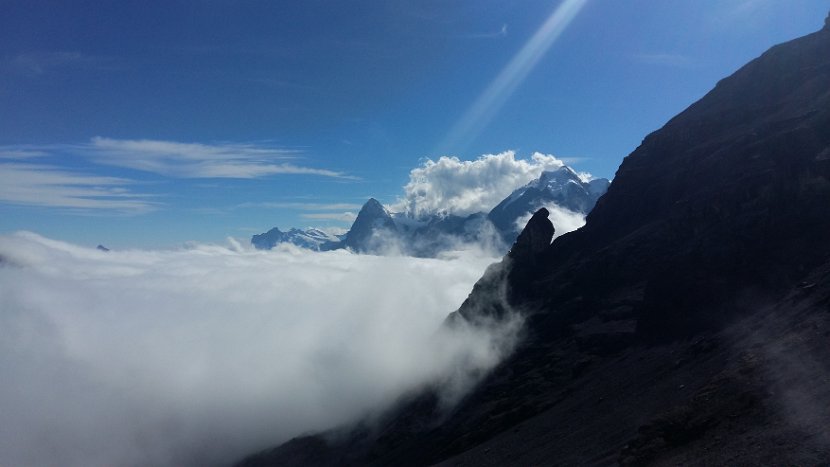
[{"x": 201, "y": 355}]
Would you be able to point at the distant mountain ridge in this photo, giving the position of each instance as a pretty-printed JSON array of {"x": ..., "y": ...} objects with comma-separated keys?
[
  {"x": 376, "y": 230},
  {"x": 312, "y": 239}
]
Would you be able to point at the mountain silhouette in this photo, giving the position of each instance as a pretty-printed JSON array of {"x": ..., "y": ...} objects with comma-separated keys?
[{"x": 688, "y": 322}]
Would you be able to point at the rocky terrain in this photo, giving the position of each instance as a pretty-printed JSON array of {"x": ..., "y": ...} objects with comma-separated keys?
[{"x": 687, "y": 323}]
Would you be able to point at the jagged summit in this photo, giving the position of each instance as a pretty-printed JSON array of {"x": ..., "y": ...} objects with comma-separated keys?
[
  {"x": 372, "y": 207},
  {"x": 562, "y": 172},
  {"x": 372, "y": 222}
]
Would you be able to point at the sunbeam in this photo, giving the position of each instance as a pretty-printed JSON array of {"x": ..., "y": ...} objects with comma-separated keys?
[{"x": 493, "y": 98}]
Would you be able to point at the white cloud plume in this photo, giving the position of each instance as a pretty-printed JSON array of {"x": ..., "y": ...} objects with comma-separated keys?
[
  {"x": 43, "y": 185},
  {"x": 459, "y": 187},
  {"x": 199, "y": 356},
  {"x": 196, "y": 160}
]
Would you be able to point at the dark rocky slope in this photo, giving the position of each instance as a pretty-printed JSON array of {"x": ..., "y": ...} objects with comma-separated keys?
[{"x": 687, "y": 323}]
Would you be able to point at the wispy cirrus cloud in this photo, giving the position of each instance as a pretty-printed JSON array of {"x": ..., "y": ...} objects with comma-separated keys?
[
  {"x": 48, "y": 186},
  {"x": 38, "y": 175},
  {"x": 300, "y": 206},
  {"x": 198, "y": 160},
  {"x": 39, "y": 63},
  {"x": 502, "y": 32},
  {"x": 331, "y": 216},
  {"x": 340, "y": 212},
  {"x": 19, "y": 154}
]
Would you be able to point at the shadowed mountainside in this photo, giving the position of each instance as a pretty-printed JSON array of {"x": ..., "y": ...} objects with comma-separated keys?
[{"x": 688, "y": 321}]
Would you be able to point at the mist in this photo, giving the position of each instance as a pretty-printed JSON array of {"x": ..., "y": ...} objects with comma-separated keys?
[{"x": 202, "y": 355}]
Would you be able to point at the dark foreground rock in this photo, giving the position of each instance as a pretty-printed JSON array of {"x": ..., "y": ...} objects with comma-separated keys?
[{"x": 687, "y": 323}]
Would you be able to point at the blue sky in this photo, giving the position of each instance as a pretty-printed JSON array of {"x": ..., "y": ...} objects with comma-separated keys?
[{"x": 142, "y": 123}]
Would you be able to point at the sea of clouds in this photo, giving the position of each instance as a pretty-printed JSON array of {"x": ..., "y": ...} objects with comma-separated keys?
[{"x": 201, "y": 355}]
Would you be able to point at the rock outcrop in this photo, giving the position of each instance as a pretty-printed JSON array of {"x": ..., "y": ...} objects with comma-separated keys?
[
  {"x": 534, "y": 239},
  {"x": 372, "y": 225}
]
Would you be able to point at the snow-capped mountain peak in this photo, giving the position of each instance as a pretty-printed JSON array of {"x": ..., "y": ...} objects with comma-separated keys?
[
  {"x": 427, "y": 235},
  {"x": 562, "y": 187}
]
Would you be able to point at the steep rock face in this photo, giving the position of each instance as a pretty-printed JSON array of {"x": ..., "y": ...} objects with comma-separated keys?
[
  {"x": 267, "y": 240},
  {"x": 372, "y": 222},
  {"x": 534, "y": 239},
  {"x": 762, "y": 124},
  {"x": 687, "y": 322},
  {"x": 730, "y": 194},
  {"x": 698, "y": 276}
]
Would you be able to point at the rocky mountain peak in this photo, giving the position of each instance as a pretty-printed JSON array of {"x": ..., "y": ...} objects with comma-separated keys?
[
  {"x": 561, "y": 172},
  {"x": 535, "y": 238},
  {"x": 373, "y": 208},
  {"x": 561, "y": 187},
  {"x": 372, "y": 220}
]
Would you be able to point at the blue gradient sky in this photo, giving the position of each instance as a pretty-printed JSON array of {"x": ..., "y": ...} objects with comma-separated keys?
[{"x": 144, "y": 123}]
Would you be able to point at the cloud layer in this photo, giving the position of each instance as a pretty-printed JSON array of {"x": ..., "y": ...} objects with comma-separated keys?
[
  {"x": 43, "y": 185},
  {"x": 196, "y": 160},
  {"x": 77, "y": 176},
  {"x": 199, "y": 356},
  {"x": 453, "y": 186}
]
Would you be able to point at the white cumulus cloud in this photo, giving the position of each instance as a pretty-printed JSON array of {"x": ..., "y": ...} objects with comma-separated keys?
[{"x": 450, "y": 185}]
